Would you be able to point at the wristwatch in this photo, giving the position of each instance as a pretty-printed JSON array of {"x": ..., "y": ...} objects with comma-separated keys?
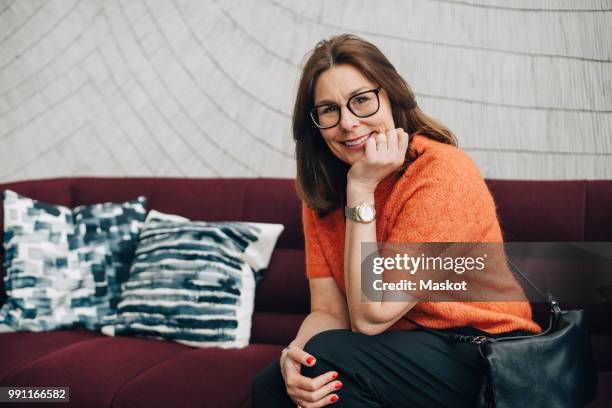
[{"x": 364, "y": 212}]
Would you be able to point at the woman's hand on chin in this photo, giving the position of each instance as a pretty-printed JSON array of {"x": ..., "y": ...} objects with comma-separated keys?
[{"x": 384, "y": 153}]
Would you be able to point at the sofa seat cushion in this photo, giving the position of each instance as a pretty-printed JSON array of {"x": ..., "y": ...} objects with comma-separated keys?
[
  {"x": 19, "y": 349},
  {"x": 130, "y": 371},
  {"x": 94, "y": 367},
  {"x": 209, "y": 377}
]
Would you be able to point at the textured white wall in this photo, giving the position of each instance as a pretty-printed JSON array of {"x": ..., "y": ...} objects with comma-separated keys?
[{"x": 204, "y": 88}]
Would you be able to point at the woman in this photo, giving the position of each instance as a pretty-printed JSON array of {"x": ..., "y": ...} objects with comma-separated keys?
[{"x": 372, "y": 167}]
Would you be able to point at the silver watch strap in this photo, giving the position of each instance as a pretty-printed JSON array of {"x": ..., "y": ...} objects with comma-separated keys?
[
  {"x": 351, "y": 212},
  {"x": 354, "y": 213}
]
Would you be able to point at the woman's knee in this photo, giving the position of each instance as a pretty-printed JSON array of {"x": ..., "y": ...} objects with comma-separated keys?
[
  {"x": 341, "y": 351},
  {"x": 332, "y": 350},
  {"x": 331, "y": 342}
]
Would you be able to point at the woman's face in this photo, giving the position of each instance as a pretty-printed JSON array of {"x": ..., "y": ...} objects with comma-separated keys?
[{"x": 337, "y": 85}]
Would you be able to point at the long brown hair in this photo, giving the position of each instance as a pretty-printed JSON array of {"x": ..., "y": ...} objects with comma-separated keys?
[{"x": 321, "y": 176}]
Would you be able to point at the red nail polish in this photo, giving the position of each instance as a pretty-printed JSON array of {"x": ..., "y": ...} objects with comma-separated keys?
[
  {"x": 309, "y": 360},
  {"x": 335, "y": 375},
  {"x": 333, "y": 398},
  {"x": 339, "y": 385}
]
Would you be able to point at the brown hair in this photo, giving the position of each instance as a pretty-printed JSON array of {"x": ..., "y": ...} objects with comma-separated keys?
[{"x": 321, "y": 176}]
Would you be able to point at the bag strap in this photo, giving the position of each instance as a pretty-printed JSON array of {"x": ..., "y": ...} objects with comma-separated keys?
[
  {"x": 457, "y": 338},
  {"x": 517, "y": 270},
  {"x": 548, "y": 298},
  {"x": 553, "y": 304}
]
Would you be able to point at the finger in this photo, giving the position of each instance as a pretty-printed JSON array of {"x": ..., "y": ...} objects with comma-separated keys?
[
  {"x": 327, "y": 400},
  {"x": 324, "y": 391},
  {"x": 404, "y": 139},
  {"x": 392, "y": 140},
  {"x": 314, "y": 389},
  {"x": 381, "y": 142},
  {"x": 291, "y": 376},
  {"x": 370, "y": 147},
  {"x": 290, "y": 366},
  {"x": 302, "y": 385},
  {"x": 324, "y": 379},
  {"x": 301, "y": 356},
  {"x": 381, "y": 137}
]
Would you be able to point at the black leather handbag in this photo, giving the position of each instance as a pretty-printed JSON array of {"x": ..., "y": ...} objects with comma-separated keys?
[{"x": 551, "y": 369}]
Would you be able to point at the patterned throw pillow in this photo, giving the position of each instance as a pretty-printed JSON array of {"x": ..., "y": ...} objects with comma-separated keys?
[
  {"x": 63, "y": 266},
  {"x": 194, "y": 282}
]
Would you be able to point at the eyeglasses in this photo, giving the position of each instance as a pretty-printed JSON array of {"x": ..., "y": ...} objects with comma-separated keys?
[{"x": 362, "y": 105}]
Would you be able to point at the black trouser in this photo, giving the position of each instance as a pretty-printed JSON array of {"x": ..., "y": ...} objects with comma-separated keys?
[{"x": 392, "y": 369}]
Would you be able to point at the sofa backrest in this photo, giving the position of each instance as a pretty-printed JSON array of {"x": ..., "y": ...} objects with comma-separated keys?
[{"x": 554, "y": 211}]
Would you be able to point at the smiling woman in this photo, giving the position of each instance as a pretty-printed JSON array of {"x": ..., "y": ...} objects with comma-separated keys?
[
  {"x": 372, "y": 167},
  {"x": 342, "y": 75},
  {"x": 367, "y": 113}
]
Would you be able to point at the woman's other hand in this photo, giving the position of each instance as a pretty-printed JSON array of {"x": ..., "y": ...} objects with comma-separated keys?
[
  {"x": 307, "y": 392},
  {"x": 384, "y": 153}
]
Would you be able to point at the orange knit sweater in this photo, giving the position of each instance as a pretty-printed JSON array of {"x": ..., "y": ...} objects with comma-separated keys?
[{"x": 440, "y": 198}]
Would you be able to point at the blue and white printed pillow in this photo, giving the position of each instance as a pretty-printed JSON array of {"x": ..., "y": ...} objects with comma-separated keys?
[
  {"x": 65, "y": 267},
  {"x": 194, "y": 282}
]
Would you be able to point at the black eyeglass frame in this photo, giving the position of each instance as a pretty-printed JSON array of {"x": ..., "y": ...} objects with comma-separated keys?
[{"x": 313, "y": 111}]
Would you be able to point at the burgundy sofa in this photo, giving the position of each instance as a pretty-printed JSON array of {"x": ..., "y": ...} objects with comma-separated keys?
[{"x": 134, "y": 372}]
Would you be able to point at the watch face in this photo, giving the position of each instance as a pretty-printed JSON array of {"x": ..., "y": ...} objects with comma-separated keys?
[{"x": 366, "y": 213}]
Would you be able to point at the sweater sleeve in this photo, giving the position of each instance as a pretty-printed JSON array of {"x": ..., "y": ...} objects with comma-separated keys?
[
  {"x": 316, "y": 264},
  {"x": 445, "y": 199}
]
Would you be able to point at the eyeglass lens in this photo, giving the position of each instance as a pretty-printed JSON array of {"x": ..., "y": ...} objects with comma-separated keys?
[{"x": 361, "y": 105}]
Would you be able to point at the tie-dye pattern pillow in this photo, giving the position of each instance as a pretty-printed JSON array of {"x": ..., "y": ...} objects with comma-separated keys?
[
  {"x": 64, "y": 267},
  {"x": 194, "y": 282}
]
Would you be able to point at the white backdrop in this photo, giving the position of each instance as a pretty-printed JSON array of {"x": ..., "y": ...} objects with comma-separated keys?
[{"x": 195, "y": 88}]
